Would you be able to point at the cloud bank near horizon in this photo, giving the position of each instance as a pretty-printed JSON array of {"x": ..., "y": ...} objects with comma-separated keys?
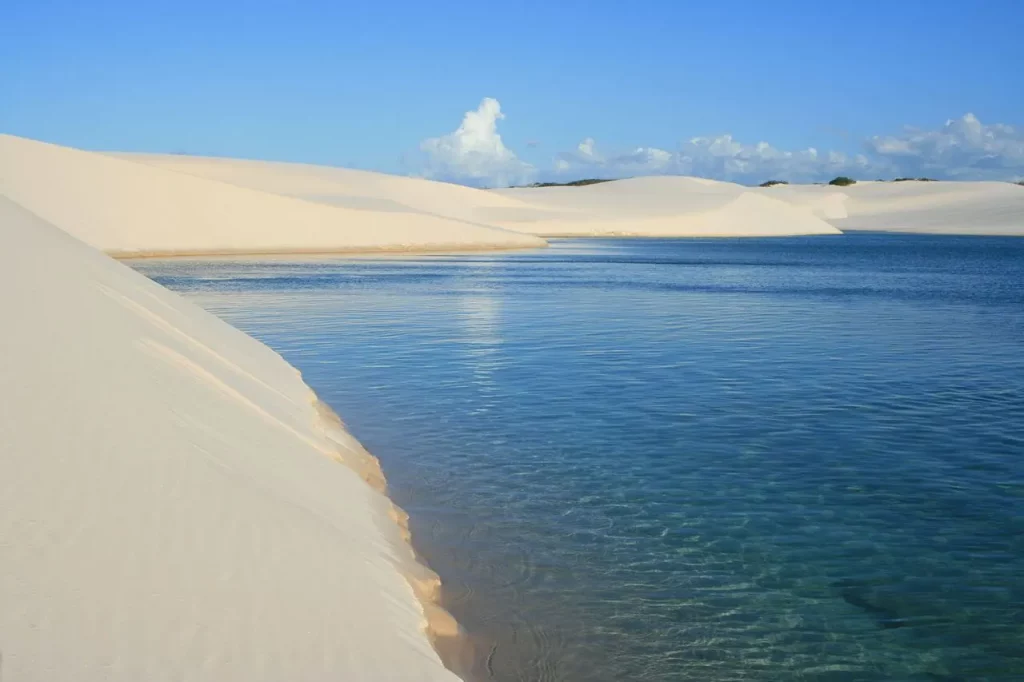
[{"x": 962, "y": 149}]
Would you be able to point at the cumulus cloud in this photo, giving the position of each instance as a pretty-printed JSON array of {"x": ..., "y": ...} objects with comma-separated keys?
[
  {"x": 474, "y": 154},
  {"x": 720, "y": 157},
  {"x": 963, "y": 148}
]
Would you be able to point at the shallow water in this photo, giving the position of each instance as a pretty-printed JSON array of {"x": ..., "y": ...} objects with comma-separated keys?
[{"x": 784, "y": 459}]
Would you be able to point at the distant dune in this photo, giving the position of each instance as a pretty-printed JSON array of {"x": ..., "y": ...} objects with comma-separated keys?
[
  {"x": 940, "y": 207},
  {"x": 354, "y": 190},
  {"x": 668, "y": 206},
  {"x": 164, "y": 204},
  {"x": 126, "y": 207}
]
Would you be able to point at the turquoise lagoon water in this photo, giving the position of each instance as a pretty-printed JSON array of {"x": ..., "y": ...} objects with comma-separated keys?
[{"x": 785, "y": 459}]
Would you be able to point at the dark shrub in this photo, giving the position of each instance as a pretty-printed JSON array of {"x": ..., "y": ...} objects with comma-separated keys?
[
  {"x": 772, "y": 183},
  {"x": 575, "y": 183},
  {"x": 842, "y": 181}
]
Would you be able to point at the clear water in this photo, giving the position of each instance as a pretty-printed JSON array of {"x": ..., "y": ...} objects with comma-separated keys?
[{"x": 786, "y": 459}]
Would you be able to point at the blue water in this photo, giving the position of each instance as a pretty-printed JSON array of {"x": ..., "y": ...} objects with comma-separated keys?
[{"x": 786, "y": 459}]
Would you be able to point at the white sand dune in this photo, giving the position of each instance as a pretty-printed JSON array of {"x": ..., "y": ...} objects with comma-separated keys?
[
  {"x": 126, "y": 207},
  {"x": 656, "y": 207},
  {"x": 173, "y": 504},
  {"x": 659, "y": 206},
  {"x": 344, "y": 187},
  {"x": 828, "y": 203},
  {"x": 982, "y": 208},
  {"x": 173, "y": 204}
]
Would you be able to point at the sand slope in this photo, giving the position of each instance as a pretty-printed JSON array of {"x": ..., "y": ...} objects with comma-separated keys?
[
  {"x": 992, "y": 208},
  {"x": 125, "y": 207},
  {"x": 172, "y": 504},
  {"x": 344, "y": 187},
  {"x": 657, "y": 206},
  {"x": 151, "y": 204}
]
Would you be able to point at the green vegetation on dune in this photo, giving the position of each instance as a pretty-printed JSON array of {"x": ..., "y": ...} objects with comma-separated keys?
[
  {"x": 575, "y": 183},
  {"x": 842, "y": 181}
]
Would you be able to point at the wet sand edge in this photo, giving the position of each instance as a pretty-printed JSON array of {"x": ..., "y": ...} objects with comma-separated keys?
[{"x": 454, "y": 647}]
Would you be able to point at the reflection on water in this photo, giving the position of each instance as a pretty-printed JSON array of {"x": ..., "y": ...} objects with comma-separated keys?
[
  {"x": 787, "y": 459},
  {"x": 481, "y": 318}
]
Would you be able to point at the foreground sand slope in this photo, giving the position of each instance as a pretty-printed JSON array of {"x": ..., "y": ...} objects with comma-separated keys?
[
  {"x": 657, "y": 206},
  {"x": 665, "y": 206},
  {"x": 172, "y": 504},
  {"x": 983, "y": 208},
  {"x": 130, "y": 208}
]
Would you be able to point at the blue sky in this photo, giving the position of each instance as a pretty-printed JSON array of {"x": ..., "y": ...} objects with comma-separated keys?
[{"x": 585, "y": 88}]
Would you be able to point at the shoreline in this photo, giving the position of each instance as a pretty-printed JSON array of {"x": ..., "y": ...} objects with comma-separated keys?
[
  {"x": 633, "y": 235},
  {"x": 452, "y": 644},
  {"x": 431, "y": 250}
]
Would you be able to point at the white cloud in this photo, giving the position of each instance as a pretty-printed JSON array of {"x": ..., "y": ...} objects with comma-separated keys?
[
  {"x": 719, "y": 157},
  {"x": 475, "y": 154},
  {"x": 963, "y": 148},
  {"x": 586, "y": 149}
]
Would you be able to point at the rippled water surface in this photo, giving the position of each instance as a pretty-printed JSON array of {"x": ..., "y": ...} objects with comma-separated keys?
[{"x": 786, "y": 459}]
